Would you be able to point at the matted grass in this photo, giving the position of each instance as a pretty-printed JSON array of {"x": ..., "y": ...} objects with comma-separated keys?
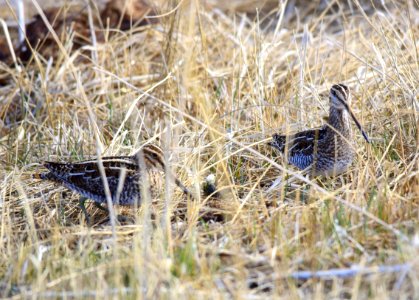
[{"x": 210, "y": 86}]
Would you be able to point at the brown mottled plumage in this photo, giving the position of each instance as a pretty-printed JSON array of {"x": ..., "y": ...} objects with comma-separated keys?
[
  {"x": 123, "y": 174},
  {"x": 326, "y": 150}
]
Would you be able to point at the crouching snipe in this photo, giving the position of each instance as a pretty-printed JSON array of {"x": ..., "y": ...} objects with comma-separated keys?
[
  {"x": 327, "y": 150},
  {"x": 123, "y": 175}
]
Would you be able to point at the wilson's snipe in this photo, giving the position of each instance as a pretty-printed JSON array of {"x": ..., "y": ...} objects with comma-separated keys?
[
  {"x": 123, "y": 174},
  {"x": 326, "y": 150}
]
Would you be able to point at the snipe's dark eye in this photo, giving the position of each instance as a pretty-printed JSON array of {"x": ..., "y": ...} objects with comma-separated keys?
[{"x": 333, "y": 92}]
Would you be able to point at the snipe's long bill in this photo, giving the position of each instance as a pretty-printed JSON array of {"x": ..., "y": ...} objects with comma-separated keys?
[
  {"x": 123, "y": 174},
  {"x": 327, "y": 150}
]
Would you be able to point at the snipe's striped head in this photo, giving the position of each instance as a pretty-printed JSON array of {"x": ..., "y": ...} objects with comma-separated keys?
[
  {"x": 340, "y": 99},
  {"x": 153, "y": 156}
]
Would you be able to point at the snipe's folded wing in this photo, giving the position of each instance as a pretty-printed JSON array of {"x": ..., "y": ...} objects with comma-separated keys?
[
  {"x": 304, "y": 142},
  {"x": 85, "y": 177},
  {"x": 300, "y": 143}
]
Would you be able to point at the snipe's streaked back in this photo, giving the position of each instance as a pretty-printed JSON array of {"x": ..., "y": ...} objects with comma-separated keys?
[
  {"x": 327, "y": 150},
  {"x": 123, "y": 174}
]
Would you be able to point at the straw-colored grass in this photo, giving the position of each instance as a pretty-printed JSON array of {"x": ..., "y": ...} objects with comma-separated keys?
[{"x": 210, "y": 86}]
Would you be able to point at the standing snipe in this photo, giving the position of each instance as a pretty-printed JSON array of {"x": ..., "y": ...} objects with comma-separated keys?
[
  {"x": 327, "y": 150},
  {"x": 123, "y": 174}
]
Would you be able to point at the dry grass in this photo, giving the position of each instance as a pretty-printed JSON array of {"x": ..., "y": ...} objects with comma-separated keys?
[{"x": 211, "y": 86}]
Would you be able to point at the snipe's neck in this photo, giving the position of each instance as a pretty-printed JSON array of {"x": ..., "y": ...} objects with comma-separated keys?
[{"x": 339, "y": 119}]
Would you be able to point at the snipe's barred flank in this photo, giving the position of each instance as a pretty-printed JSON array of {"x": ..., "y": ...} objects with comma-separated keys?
[
  {"x": 123, "y": 174},
  {"x": 327, "y": 150}
]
